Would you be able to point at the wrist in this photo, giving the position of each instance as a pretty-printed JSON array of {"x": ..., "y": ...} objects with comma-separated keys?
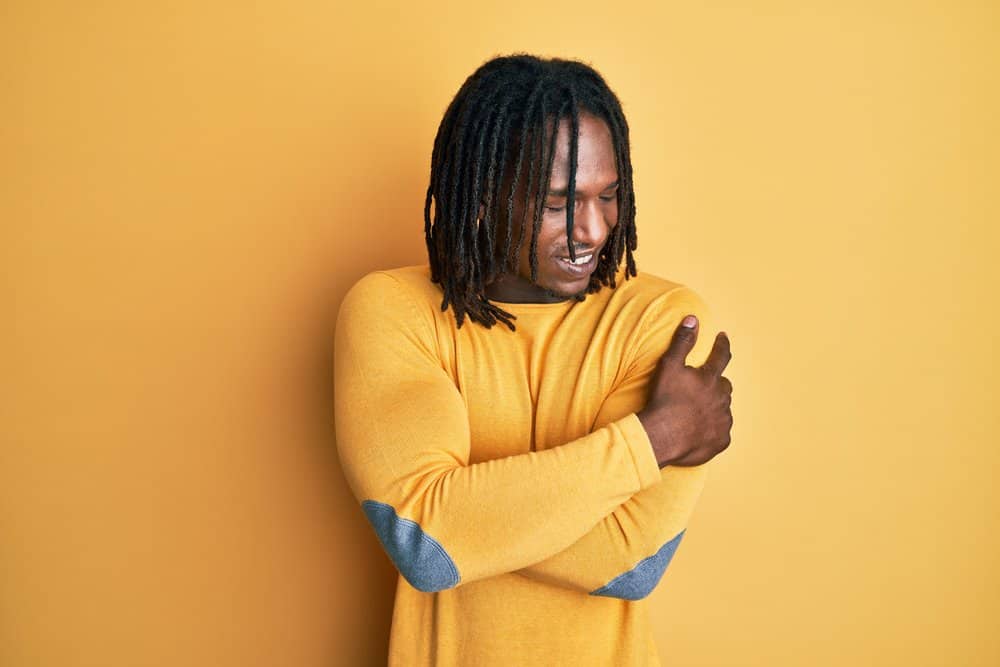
[{"x": 655, "y": 439}]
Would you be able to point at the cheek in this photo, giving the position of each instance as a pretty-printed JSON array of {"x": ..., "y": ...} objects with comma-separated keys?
[
  {"x": 612, "y": 214},
  {"x": 547, "y": 243},
  {"x": 550, "y": 240}
]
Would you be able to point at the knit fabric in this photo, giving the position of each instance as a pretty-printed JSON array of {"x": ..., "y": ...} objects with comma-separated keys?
[{"x": 506, "y": 473}]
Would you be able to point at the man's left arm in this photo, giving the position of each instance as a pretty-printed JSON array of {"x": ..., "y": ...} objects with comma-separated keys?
[{"x": 626, "y": 553}]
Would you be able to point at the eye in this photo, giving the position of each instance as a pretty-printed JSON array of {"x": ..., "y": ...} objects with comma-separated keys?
[
  {"x": 609, "y": 197},
  {"x": 555, "y": 209}
]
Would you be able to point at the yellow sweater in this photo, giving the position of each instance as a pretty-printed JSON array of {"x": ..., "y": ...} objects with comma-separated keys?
[{"x": 506, "y": 473}]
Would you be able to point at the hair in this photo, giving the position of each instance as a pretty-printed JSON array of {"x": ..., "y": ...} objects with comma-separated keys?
[{"x": 494, "y": 132}]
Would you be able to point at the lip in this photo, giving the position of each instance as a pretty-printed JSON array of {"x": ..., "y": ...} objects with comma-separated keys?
[{"x": 582, "y": 269}]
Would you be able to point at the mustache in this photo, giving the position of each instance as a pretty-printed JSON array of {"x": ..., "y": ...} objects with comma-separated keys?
[{"x": 581, "y": 251}]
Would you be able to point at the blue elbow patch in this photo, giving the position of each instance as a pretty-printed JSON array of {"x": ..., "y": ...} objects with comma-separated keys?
[
  {"x": 418, "y": 556},
  {"x": 640, "y": 581}
]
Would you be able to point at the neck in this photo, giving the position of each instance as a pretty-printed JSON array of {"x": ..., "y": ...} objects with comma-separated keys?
[{"x": 510, "y": 288}]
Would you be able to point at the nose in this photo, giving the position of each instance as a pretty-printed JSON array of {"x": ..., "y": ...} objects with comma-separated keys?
[{"x": 589, "y": 226}]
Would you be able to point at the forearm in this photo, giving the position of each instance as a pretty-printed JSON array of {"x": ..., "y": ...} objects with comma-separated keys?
[
  {"x": 444, "y": 521},
  {"x": 627, "y": 552}
]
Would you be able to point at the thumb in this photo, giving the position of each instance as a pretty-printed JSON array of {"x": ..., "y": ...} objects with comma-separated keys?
[{"x": 682, "y": 342}]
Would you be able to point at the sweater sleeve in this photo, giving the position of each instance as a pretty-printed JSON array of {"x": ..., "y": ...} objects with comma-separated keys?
[
  {"x": 403, "y": 438},
  {"x": 626, "y": 554}
]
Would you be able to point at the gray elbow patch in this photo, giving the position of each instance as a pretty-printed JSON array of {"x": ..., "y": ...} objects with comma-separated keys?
[
  {"x": 640, "y": 581},
  {"x": 418, "y": 556}
]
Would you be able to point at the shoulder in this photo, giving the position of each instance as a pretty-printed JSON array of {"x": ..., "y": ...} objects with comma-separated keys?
[
  {"x": 393, "y": 283},
  {"x": 407, "y": 285},
  {"x": 646, "y": 295},
  {"x": 650, "y": 308},
  {"x": 385, "y": 316},
  {"x": 657, "y": 306},
  {"x": 400, "y": 298}
]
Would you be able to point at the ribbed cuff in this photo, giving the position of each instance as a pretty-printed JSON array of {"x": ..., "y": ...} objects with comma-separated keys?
[{"x": 641, "y": 448}]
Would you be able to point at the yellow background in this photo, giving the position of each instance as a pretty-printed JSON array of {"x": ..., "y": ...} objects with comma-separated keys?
[{"x": 189, "y": 188}]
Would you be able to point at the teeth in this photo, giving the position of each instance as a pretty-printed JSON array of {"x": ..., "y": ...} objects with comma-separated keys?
[{"x": 579, "y": 260}]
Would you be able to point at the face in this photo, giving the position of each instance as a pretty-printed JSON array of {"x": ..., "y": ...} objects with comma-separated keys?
[{"x": 595, "y": 216}]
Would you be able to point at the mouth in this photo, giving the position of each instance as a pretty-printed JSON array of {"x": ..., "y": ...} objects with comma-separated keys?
[{"x": 584, "y": 266}]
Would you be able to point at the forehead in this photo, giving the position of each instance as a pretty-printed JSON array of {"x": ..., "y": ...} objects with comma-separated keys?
[{"x": 596, "y": 163}]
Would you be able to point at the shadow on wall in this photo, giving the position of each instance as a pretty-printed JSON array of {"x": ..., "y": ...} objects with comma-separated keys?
[
  {"x": 369, "y": 217},
  {"x": 365, "y": 580}
]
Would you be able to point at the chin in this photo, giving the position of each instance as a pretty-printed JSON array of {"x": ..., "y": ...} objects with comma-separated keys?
[{"x": 562, "y": 292}]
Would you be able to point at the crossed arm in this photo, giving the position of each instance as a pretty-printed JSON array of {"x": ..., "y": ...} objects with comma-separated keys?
[
  {"x": 627, "y": 552},
  {"x": 613, "y": 518}
]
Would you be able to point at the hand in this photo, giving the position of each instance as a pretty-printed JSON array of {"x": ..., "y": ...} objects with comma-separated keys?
[{"x": 687, "y": 414}]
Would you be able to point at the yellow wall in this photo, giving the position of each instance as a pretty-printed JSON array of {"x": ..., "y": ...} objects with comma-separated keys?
[{"x": 189, "y": 188}]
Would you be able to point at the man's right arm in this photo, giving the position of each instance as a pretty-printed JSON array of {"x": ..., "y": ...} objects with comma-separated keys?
[{"x": 685, "y": 411}]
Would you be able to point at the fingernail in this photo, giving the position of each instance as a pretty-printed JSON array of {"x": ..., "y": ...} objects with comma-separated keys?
[{"x": 690, "y": 321}]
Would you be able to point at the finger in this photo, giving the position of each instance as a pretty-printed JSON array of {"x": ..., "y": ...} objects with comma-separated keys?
[
  {"x": 719, "y": 356},
  {"x": 727, "y": 385},
  {"x": 682, "y": 342}
]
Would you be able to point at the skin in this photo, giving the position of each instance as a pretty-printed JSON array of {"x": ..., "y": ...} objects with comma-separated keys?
[
  {"x": 688, "y": 415},
  {"x": 595, "y": 215}
]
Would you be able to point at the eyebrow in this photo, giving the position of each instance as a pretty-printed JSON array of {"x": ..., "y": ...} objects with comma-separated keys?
[{"x": 563, "y": 191}]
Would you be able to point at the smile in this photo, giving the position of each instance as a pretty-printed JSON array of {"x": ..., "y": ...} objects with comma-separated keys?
[{"x": 584, "y": 264}]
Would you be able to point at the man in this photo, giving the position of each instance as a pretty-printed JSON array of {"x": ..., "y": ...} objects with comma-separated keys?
[{"x": 530, "y": 481}]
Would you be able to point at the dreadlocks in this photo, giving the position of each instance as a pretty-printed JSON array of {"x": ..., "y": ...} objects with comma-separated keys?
[{"x": 493, "y": 132}]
